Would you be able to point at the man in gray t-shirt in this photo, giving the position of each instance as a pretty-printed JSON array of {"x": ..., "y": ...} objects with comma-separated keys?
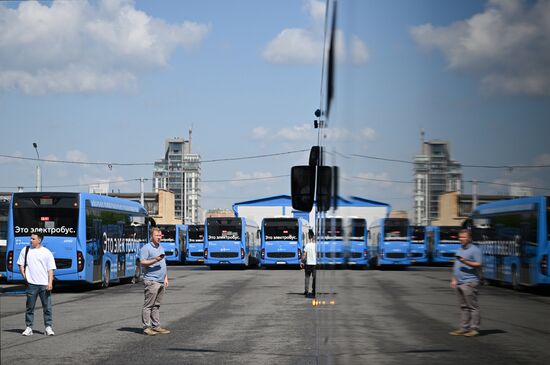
[
  {"x": 465, "y": 281},
  {"x": 155, "y": 281}
]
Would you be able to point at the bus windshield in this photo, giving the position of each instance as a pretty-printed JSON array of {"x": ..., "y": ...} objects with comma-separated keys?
[
  {"x": 332, "y": 229},
  {"x": 395, "y": 229},
  {"x": 168, "y": 233},
  {"x": 224, "y": 229},
  {"x": 196, "y": 234},
  {"x": 418, "y": 234},
  {"x": 357, "y": 229},
  {"x": 51, "y": 215},
  {"x": 448, "y": 233},
  {"x": 281, "y": 230}
]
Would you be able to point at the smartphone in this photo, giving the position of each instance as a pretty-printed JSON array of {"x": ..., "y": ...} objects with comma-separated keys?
[
  {"x": 162, "y": 255},
  {"x": 458, "y": 257}
]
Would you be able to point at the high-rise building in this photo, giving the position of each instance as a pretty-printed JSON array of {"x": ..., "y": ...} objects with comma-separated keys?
[
  {"x": 434, "y": 173},
  {"x": 180, "y": 172}
]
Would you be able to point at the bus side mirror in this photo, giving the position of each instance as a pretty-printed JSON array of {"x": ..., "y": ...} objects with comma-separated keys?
[
  {"x": 302, "y": 187},
  {"x": 324, "y": 188}
]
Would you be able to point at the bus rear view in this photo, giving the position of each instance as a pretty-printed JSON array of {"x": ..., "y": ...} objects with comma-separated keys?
[
  {"x": 95, "y": 239},
  {"x": 56, "y": 216}
]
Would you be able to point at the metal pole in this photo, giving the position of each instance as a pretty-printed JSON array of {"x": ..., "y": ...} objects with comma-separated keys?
[
  {"x": 474, "y": 195},
  {"x": 141, "y": 197},
  {"x": 38, "y": 172}
]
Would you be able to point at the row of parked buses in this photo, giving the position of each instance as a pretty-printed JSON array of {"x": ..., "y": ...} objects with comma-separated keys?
[{"x": 96, "y": 239}]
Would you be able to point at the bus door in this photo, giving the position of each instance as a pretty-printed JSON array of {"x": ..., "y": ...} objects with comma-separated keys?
[
  {"x": 528, "y": 246},
  {"x": 527, "y": 259},
  {"x": 97, "y": 251},
  {"x": 182, "y": 240}
]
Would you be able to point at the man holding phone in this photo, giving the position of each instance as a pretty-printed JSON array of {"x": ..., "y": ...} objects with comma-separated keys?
[
  {"x": 155, "y": 281},
  {"x": 465, "y": 281}
]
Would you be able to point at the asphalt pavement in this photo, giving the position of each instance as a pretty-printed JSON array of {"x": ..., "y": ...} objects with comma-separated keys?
[{"x": 262, "y": 316}]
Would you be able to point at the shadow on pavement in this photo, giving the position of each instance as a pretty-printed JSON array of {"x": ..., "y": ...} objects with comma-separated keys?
[
  {"x": 20, "y": 331},
  {"x": 490, "y": 332},
  {"x": 131, "y": 329}
]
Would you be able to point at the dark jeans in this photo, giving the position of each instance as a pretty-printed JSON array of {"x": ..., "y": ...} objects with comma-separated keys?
[
  {"x": 310, "y": 271},
  {"x": 34, "y": 291}
]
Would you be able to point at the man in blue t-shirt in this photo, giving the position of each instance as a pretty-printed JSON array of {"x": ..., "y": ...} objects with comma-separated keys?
[
  {"x": 155, "y": 280},
  {"x": 465, "y": 281}
]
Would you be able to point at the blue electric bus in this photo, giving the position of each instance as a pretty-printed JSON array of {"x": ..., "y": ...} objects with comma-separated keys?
[
  {"x": 514, "y": 238},
  {"x": 95, "y": 239},
  {"x": 357, "y": 242},
  {"x": 283, "y": 240},
  {"x": 195, "y": 247},
  {"x": 174, "y": 242},
  {"x": 230, "y": 241},
  {"x": 389, "y": 242},
  {"x": 419, "y": 247},
  {"x": 330, "y": 241},
  {"x": 442, "y": 243},
  {"x": 4, "y": 208}
]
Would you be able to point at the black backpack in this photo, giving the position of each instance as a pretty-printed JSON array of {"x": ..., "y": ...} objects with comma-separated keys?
[{"x": 26, "y": 254}]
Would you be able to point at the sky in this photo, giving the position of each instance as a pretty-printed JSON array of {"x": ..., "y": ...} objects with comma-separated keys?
[{"x": 109, "y": 81}]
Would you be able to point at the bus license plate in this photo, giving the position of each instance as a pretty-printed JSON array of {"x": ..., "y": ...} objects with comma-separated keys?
[{"x": 281, "y": 263}]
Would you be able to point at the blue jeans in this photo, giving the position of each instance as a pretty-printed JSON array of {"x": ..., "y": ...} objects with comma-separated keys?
[{"x": 34, "y": 291}]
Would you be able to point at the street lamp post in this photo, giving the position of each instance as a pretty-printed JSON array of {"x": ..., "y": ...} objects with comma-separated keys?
[{"x": 38, "y": 174}]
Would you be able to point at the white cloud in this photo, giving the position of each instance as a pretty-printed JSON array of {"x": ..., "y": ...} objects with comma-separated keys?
[
  {"x": 294, "y": 45},
  {"x": 316, "y": 10},
  {"x": 300, "y": 132},
  {"x": 506, "y": 46},
  {"x": 260, "y": 132},
  {"x": 368, "y": 133},
  {"x": 291, "y": 134},
  {"x": 76, "y": 46},
  {"x": 76, "y": 156},
  {"x": 305, "y": 46},
  {"x": 344, "y": 134},
  {"x": 359, "y": 51}
]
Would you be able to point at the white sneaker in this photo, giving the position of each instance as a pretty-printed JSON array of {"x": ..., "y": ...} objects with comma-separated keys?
[
  {"x": 49, "y": 331},
  {"x": 27, "y": 332}
]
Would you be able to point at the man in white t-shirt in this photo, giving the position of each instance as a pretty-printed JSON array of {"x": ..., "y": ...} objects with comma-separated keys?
[
  {"x": 37, "y": 264},
  {"x": 309, "y": 260}
]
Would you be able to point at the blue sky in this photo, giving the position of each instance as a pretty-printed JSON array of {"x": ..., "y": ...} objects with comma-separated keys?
[{"x": 110, "y": 81}]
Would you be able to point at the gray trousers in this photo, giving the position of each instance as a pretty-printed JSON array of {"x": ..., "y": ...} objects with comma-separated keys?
[
  {"x": 150, "y": 315},
  {"x": 469, "y": 307}
]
